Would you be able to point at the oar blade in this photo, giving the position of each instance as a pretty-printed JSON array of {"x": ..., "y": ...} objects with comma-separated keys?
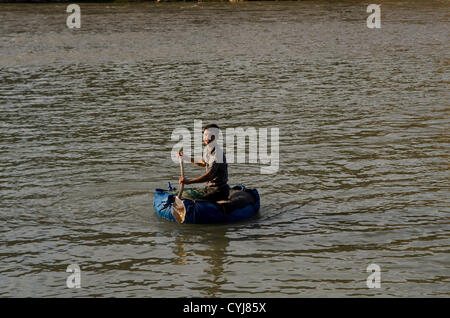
[{"x": 179, "y": 210}]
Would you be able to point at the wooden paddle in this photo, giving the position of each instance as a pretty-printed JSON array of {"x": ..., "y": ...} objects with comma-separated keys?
[{"x": 179, "y": 210}]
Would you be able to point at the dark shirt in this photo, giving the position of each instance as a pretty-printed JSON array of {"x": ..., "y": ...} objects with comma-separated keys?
[{"x": 219, "y": 169}]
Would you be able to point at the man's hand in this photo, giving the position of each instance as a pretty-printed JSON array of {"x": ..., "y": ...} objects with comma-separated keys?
[{"x": 184, "y": 180}]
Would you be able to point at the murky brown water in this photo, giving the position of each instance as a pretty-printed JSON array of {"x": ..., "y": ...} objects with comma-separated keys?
[{"x": 85, "y": 123}]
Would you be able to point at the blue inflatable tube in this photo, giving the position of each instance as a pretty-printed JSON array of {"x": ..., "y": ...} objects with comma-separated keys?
[{"x": 243, "y": 204}]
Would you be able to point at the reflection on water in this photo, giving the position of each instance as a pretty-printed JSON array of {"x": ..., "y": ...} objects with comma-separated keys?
[
  {"x": 213, "y": 250},
  {"x": 85, "y": 125}
]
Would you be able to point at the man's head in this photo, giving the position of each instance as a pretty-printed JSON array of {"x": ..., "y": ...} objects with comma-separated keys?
[{"x": 210, "y": 133}]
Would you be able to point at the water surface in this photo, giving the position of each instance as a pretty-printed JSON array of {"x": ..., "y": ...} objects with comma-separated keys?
[{"x": 85, "y": 122}]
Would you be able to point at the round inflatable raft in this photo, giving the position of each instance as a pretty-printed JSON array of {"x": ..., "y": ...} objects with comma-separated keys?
[{"x": 242, "y": 204}]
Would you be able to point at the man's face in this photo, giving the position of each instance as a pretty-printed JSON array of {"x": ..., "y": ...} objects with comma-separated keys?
[{"x": 206, "y": 140}]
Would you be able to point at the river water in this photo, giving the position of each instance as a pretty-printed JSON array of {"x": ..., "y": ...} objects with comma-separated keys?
[{"x": 86, "y": 117}]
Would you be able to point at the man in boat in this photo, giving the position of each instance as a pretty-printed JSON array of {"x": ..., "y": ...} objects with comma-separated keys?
[{"x": 216, "y": 175}]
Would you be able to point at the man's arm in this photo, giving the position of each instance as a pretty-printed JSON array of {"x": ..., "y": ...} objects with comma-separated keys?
[
  {"x": 198, "y": 163},
  {"x": 203, "y": 178}
]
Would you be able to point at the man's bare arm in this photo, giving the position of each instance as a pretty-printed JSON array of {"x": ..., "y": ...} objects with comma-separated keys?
[
  {"x": 203, "y": 178},
  {"x": 198, "y": 163}
]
